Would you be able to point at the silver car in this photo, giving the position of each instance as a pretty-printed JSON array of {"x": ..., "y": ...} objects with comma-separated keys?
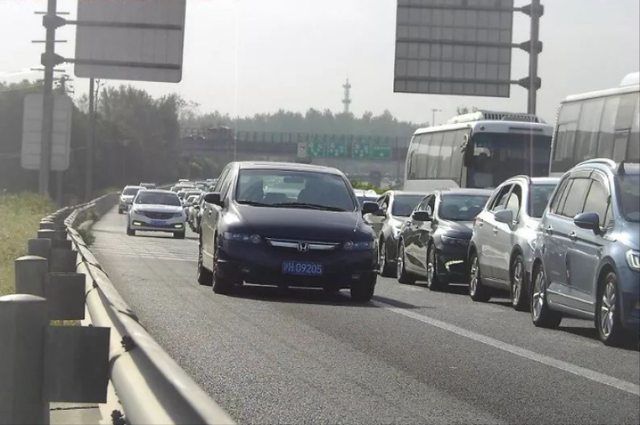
[
  {"x": 395, "y": 208},
  {"x": 157, "y": 211},
  {"x": 126, "y": 197},
  {"x": 503, "y": 241}
]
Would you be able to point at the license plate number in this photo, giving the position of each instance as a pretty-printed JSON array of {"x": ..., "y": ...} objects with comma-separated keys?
[
  {"x": 157, "y": 222},
  {"x": 301, "y": 268}
]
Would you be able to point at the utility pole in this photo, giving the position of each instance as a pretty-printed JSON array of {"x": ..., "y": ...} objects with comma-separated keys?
[
  {"x": 63, "y": 80},
  {"x": 88, "y": 178},
  {"x": 536, "y": 11},
  {"x": 347, "y": 96},
  {"x": 48, "y": 60}
]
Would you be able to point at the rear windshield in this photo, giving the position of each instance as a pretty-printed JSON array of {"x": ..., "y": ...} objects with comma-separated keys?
[
  {"x": 461, "y": 207},
  {"x": 131, "y": 191},
  {"x": 403, "y": 205},
  {"x": 540, "y": 195},
  {"x": 157, "y": 198}
]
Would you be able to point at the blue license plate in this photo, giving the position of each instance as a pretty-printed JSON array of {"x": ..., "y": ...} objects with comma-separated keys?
[
  {"x": 301, "y": 268},
  {"x": 158, "y": 222}
]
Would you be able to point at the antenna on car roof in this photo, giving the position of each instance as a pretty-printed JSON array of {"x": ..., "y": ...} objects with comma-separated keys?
[{"x": 621, "y": 169}]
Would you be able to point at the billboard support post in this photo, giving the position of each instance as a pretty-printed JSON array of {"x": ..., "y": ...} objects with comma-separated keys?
[{"x": 89, "y": 159}]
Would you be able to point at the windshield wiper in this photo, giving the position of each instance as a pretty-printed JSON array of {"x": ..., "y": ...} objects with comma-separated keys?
[
  {"x": 254, "y": 203},
  {"x": 308, "y": 206}
]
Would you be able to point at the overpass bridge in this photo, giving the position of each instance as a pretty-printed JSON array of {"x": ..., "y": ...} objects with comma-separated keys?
[{"x": 355, "y": 155}]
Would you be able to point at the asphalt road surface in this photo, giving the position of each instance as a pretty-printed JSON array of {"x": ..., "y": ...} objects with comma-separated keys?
[{"x": 411, "y": 356}]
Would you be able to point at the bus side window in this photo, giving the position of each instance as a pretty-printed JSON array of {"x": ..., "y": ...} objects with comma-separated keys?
[
  {"x": 607, "y": 127},
  {"x": 633, "y": 151},
  {"x": 588, "y": 129},
  {"x": 421, "y": 157},
  {"x": 445, "y": 155},
  {"x": 433, "y": 163},
  {"x": 566, "y": 135},
  {"x": 456, "y": 156}
]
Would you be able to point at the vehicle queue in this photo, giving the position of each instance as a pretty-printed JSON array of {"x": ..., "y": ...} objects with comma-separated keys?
[{"x": 561, "y": 246}]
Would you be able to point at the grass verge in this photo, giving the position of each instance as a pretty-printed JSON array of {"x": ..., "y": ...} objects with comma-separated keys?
[
  {"x": 20, "y": 217},
  {"x": 87, "y": 236}
]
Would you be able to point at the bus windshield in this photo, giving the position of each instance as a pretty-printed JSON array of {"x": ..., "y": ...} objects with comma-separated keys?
[{"x": 499, "y": 156}]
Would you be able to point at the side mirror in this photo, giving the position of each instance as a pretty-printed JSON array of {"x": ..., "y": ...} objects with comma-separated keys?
[
  {"x": 504, "y": 216},
  {"x": 588, "y": 220},
  {"x": 213, "y": 198},
  {"x": 370, "y": 207},
  {"x": 421, "y": 216}
]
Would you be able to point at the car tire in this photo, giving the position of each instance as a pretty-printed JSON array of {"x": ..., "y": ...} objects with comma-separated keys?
[
  {"x": 362, "y": 292},
  {"x": 519, "y": 299},
  {"x": 130, "y": 231},
  {"x": 205, "y": 277},
  {"x": 220, "y": 285},
  {"x": 434, "y": 283},
  {"x": 608, "y": 323},
  {"x": 477, "y": 291},
  {"x": 179, "y": 235},
  {"x": 541, "y": 314},
  {"x": 401, "y": 273},
  {"x": 384, "y": 269}
]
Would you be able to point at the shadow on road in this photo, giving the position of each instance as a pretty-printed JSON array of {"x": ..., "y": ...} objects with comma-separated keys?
[
  {"x": 308, "y": 296},
  {"x": 592, "y": 333}
]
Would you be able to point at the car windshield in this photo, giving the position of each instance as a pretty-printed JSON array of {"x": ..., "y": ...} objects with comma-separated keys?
[
  {"x": 630, "y": 196},
  {"x": 297, "y": 189},
  {"x": 157, "y": 198},
  {"x": 131, "y": 191},
  {"x": 403, "y": 205},
  {"x": 540, "y": 194},
  {"x": 461, "y": 207}
]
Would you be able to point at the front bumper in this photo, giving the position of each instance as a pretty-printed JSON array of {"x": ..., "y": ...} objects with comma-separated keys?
[
  {"x": 630, "y": 298},
  {"x": 452, "y": 263},
  {"x": 262, "y": 264},
  {"x": 146, "y": 224}
]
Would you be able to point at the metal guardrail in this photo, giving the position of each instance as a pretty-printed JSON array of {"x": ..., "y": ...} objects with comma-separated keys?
[{"x": 149, "y": 384}]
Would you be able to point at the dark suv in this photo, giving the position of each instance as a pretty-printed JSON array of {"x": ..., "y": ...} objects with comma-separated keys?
[{"x": 587, "y": 260}]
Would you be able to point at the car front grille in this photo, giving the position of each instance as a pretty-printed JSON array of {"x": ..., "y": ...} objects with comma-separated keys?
[{"x": 158, "y": 215}]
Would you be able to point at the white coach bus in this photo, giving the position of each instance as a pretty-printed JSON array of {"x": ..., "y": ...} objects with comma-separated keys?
[
  {"x": 601, "y": 124},
  {"x": 478, "y": 150}
]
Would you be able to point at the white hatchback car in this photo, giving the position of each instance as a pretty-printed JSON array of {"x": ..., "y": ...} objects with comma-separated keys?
[{"x": 157, "y": 211}]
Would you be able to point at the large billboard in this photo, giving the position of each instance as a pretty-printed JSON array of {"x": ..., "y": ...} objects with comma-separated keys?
[{"x": 458, "y": 47}]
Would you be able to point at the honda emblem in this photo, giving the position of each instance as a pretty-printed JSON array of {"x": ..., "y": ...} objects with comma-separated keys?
[{"x": 303, "y": 247}]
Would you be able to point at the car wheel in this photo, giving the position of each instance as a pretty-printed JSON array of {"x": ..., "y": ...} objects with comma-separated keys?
[
  {"x": 130, "y": 231},
  {"x": 519, "y": 299},
  {"x": 477, "y": 290},
  {"x": 541, "y": 315},
  {"x": 362, "y": 292},
  {"x": 401, "y": 273},
  {"x": 179, "y": 235},
  {"x": 434, "y": 283},
  {"x": 608, "y": 322},
  {"x": 220, "y": 285},
  {"x": 205, "y": 277},
  {"x": 384, "y": 269}
]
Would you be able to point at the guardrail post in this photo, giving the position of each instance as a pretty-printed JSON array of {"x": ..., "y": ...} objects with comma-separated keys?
[
  {"x": 30, "y": 275},
  {"x": 47, "y": 225},
  {"x": 40, "y": 248},
  {"x": 23, "y": 323},
  {"x": 47, "y": 234}
]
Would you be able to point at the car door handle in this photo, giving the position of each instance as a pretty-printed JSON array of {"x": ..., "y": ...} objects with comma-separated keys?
[
  {"x": 549, "y": 229},
  {"x": 573, "y": 236},
  {"x": 495, "y": 230}
]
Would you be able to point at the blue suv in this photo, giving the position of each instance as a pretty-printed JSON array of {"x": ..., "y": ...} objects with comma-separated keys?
[{"x": 586, "y": 259}]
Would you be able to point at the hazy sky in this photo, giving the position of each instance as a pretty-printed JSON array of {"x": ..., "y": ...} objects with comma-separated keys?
[{"x": 296, "y": 54}]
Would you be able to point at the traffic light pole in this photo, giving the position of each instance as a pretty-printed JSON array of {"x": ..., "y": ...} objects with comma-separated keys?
[
  {"x": 536, "y": 12},
  {"x": 49, "y": 63}
]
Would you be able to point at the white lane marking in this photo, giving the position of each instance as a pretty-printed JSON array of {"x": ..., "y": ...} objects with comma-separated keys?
[
  {"x": 592, "y": 375},
  {"x": 411, "y": 288}
]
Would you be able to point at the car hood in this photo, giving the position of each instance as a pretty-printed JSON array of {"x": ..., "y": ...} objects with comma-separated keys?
[
  {"x": 459, "y": 228},
  {"x": 298, "y": 223},
  {"x": 158, "y": 208},
  {"x": 629, "y": 234}
]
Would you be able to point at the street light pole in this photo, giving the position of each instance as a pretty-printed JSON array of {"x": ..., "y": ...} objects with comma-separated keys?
[{"x": 433, "y": 116}]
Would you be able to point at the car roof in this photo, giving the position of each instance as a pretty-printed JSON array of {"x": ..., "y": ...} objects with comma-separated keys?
[
  {"x": 160, "y": 191},
  {"x": 487, "y": 192},
  {"x": 134, "y": 187},
  {"x": 402, "y": 192},
  {"x": 609, "y": 165},
  {"x": 293, "y": 166}
]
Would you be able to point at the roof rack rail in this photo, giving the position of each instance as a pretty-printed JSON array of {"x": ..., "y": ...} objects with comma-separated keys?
[{"x": 610, "y": 162}]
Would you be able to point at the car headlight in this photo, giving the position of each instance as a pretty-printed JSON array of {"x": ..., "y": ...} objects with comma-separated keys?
[
  {"x": 358, "y": 246},
  {"x": 242, "y": 237},
  {"x": 448, "y": 240},
  {"x": 633, "y": 260}
]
